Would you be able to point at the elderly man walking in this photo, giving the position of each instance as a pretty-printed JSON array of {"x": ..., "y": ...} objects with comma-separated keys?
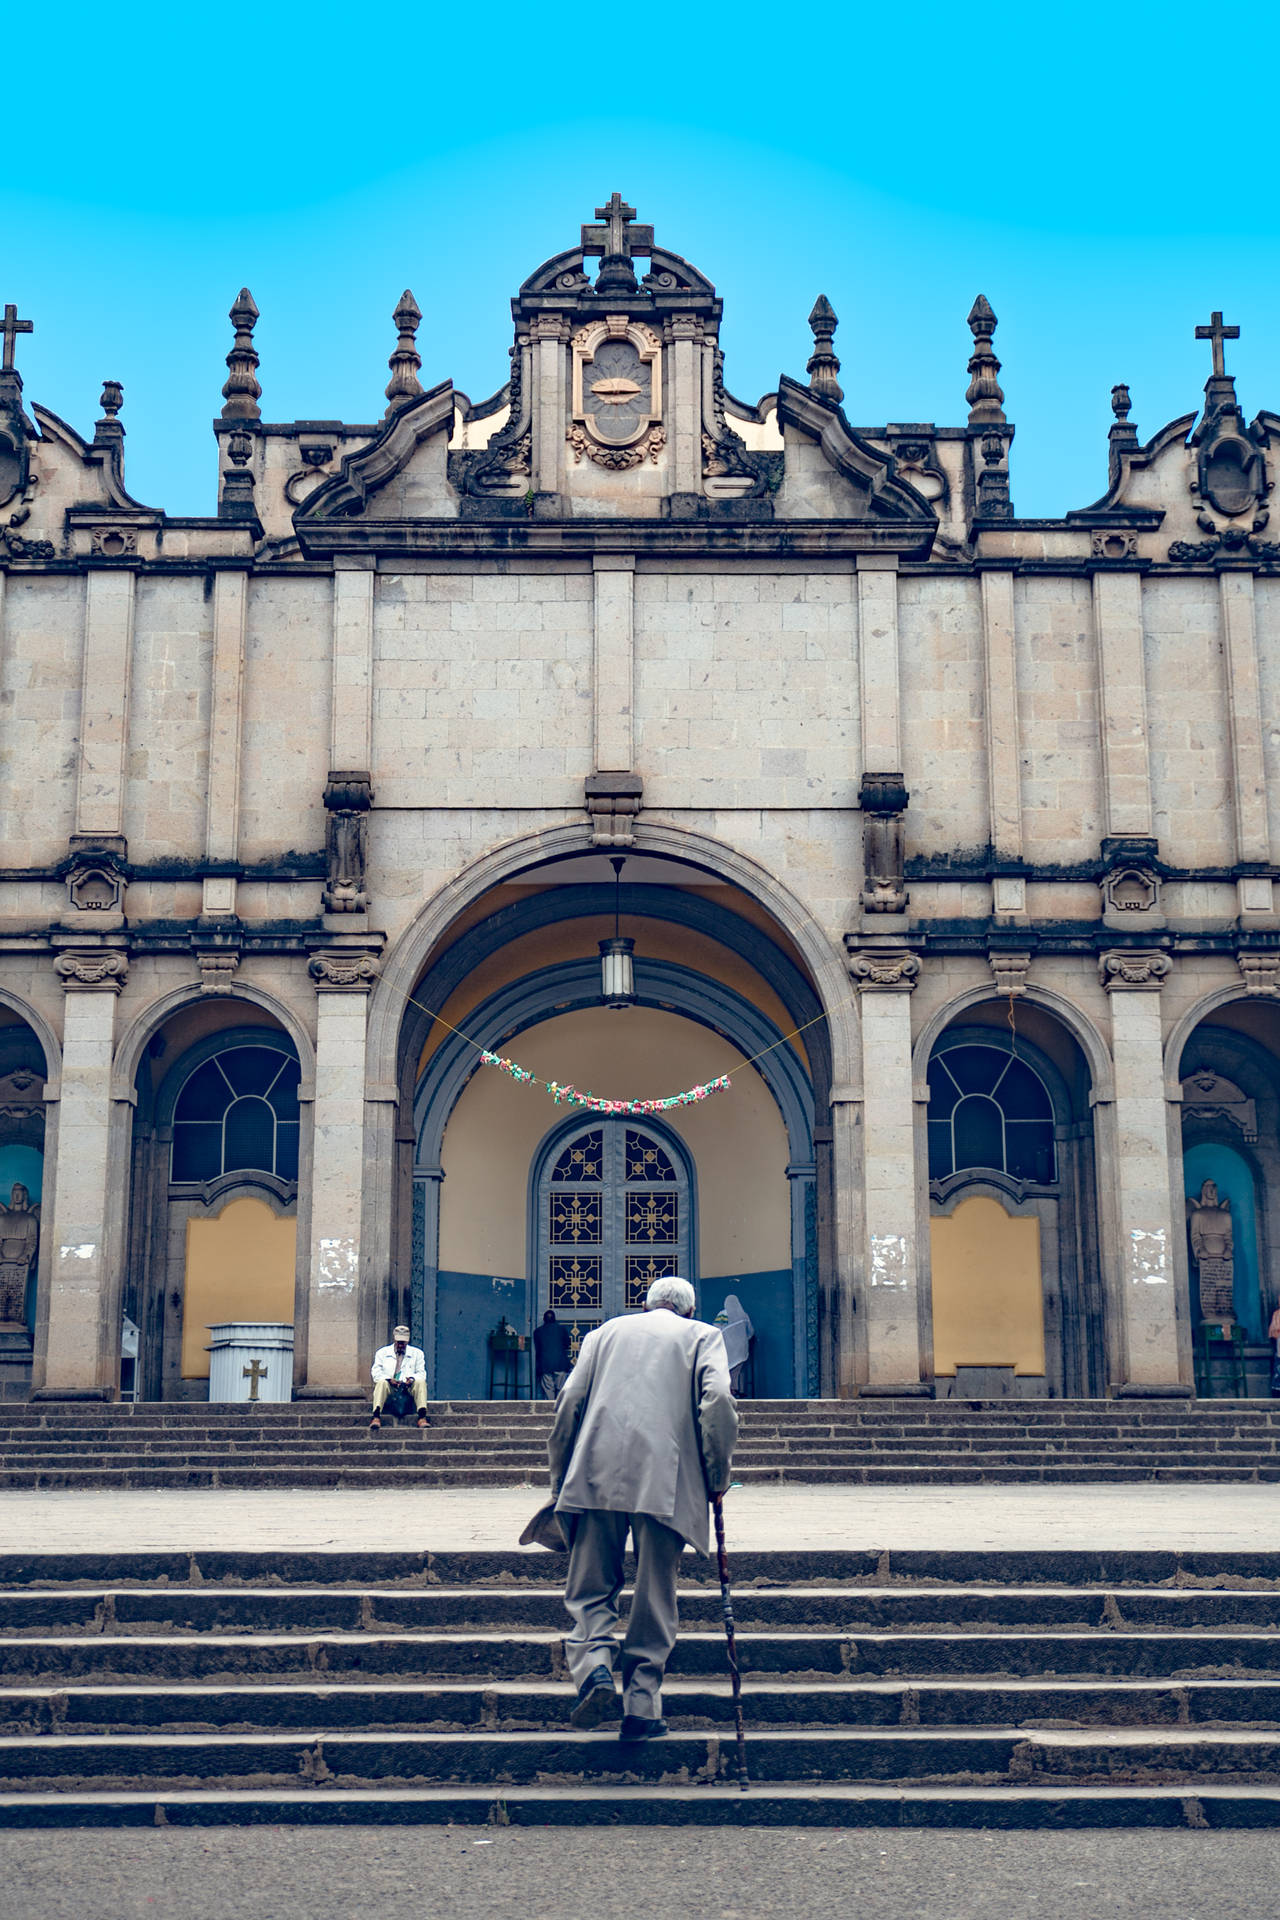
[{"x": 643, "y": 1435}]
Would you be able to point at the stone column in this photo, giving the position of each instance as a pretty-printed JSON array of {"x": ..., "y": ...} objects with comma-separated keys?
[
  {"x": 83, "y": 1325},
  {"x": 613, "y": 685},
  {"x": 885, "y": 977},
  {"x": 335, "y": 1362},
  {"x": 1144, "y": 1358}
]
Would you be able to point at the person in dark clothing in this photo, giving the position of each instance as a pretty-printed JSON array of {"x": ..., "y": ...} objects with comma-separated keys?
[{"x": 551, "y": 1355}]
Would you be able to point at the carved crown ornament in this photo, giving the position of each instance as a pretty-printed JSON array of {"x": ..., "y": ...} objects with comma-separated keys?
[{"x": 617, "y": 393}]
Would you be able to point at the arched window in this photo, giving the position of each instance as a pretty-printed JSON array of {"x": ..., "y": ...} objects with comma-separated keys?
[
  {"x": 613, "y": 1212},
  {"x": 238, "y": 1111},
  {"x": 988, "y": 1108}
]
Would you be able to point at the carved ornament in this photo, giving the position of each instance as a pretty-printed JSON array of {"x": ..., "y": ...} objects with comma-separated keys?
[
  {"x": 613, "y": 801},
  {"x": 617, "y": 393},
  {"x": 352, "y": 971},
  {"x": 113, "y": 543},
  {"x": 1114, "y": 543},
  {"x": 1207, "y": 1095},
  {"x": 885, "y": 972},
  {"x": 1131, "y": 890},
  {"x": 105, "y": 972},
  {"x": 1009, "y": 971},
  {"x": 217, "y": 968},
  {"x": 616, "y": 459},
  {"x": 1132, "y": 968}
]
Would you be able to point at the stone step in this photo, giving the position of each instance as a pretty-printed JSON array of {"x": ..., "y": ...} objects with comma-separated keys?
[
  {"x": 913, "y": 1804},
  {"x": 411, "y": 1475},
  {"x": 104, "y": 1659},
  {"x": 842, "y": 1610},
  {"x": 376, "y": 1566},
  {"x": 1007, "y": 1755},
  {"x": 514, "y": 1705}
]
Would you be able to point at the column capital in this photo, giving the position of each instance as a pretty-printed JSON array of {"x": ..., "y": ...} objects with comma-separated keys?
[
  {"x": 882, "y": 969},
  {"x": 92, "y": 969},
  {"x": 343, "y": 971},
  {"x": 556, "y": 327},
  {"x": 1133, "y": 969}
]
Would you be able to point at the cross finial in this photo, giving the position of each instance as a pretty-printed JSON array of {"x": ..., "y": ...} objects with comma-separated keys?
[
  {"x": 619, "y": 241},
  {"x": 12, "y": 327},
  {"x": 1217, "y": 333}
]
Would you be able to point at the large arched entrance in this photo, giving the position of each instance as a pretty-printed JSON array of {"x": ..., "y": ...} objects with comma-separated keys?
[
  {"x": 1228, "y": 1074},
  {"x": 716, "y": 987},
  {"x": 1016, "y": 1293}
]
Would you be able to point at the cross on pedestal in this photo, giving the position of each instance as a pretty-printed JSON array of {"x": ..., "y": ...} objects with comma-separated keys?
[
  {"x": 1216, "y": 332},
  {"x": 617, "y": 238},
  {"x": 11, "y": 328},
  {"x": 254, "y": 1372}
]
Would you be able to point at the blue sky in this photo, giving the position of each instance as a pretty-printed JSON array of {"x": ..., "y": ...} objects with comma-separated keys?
[{"x": 1105, "y": 177}]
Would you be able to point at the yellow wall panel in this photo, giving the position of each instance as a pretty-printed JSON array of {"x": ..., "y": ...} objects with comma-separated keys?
[
  {"x": 988, "y": 1304},
  {"x": 239, "y": 1267}
]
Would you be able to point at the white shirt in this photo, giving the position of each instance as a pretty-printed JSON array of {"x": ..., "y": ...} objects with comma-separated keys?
[{"x": 387, "y": 1365}]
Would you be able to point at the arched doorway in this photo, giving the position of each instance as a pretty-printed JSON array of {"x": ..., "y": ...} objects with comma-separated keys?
[
  {"x": 1229, "y": 1079},
  {"x": 217, "y": 1145},
  {"x": 1016, "y": 1293},
  {"x": 613, "y": 1204},
  {"x": 712, "y": 990}
]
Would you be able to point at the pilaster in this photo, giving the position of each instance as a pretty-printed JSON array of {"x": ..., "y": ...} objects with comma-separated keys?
[
  {"x": 1244, "y": 709},
  {"x": 1004, "y": 770},
  {"x": 885, "y": 977},
  {"x": 549, "y": 334},
  {"x": 351, "y": 721},
  {"x": 613, "y": 689},
  {"x": 1122, "y": 697},
  {"x": 878, "y": 662},
  {"x": 1143, "y": 1290},
  {"x": 83, "y": 1324},
  {"x": 222, "y": 816},
  {"x": 343, "y": 978},
  {"x": 104, "y": 701},
  {"x": 684, "y": 335}
]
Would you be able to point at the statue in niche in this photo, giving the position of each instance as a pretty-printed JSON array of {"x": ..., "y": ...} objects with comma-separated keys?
[
  {"x": 19, "y": 1239},
  {"x": 1213, "y": 1250}
]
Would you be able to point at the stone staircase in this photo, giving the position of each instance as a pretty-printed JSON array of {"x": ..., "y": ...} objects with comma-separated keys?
[
  {"x": 951, "y": 1689},
  {"x": 497, "y": 1443}
]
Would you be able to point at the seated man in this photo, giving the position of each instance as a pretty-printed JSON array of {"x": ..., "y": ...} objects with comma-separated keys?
[{"x": 400, "y": 1370}]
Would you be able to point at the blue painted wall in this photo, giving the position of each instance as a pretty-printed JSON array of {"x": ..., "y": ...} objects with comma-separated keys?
[
  {"x": 27, "y": 1165},
  {"x": 1235, "y": 1183},
  {"x": 468, "y": 1307},
  {"x": 769, "y": 1303}
]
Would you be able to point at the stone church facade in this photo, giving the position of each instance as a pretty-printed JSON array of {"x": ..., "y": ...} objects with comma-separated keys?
[{"x": 949, "y": 836}]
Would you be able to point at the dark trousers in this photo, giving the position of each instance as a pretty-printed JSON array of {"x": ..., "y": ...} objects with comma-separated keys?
[{"x": 591, "y": 1594}]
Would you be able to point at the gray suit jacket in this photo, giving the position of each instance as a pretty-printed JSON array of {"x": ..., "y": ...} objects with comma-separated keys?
[{"x": 645, "y": 1423}]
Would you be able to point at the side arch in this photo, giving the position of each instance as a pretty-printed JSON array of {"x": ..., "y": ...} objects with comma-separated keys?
[
  {"x": 1181, "y": 1032},
  {"x": 1095, "y": 1049},
  {"x": 133, "y": 1041}
]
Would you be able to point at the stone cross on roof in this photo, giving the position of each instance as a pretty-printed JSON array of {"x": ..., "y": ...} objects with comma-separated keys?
[
  {"x": 1216, "y": 332},
  {"x": 11, "y": 328},
  {"x": 617, "y": 238}
]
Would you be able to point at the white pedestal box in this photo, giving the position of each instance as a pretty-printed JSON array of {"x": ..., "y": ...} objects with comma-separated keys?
[{"x": 251, "y": 1360}]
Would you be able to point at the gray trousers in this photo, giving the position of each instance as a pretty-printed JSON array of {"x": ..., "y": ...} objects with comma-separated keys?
[{"x": 591, "y": 1594}]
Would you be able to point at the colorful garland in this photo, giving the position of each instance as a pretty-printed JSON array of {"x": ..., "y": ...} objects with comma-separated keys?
[{"x": 566, "y": 1095}]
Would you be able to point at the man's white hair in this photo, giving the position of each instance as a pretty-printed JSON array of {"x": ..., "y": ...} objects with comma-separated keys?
[{"x": 671, "y": 1292}]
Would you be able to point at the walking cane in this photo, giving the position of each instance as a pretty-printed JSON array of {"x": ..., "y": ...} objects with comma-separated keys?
[{"x": 726, "y": 1601}]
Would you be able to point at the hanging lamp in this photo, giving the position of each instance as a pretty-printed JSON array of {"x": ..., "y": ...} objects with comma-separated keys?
[{"x": 617, "y": 975}]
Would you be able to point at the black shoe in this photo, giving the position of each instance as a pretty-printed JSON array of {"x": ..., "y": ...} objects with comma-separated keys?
[
  {"x": 423, "y": 1421},
  {"x": 375, "y": 1425},
  {"x": 597, "y": 1701},
  {"x": 635, "y": 1728}
]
